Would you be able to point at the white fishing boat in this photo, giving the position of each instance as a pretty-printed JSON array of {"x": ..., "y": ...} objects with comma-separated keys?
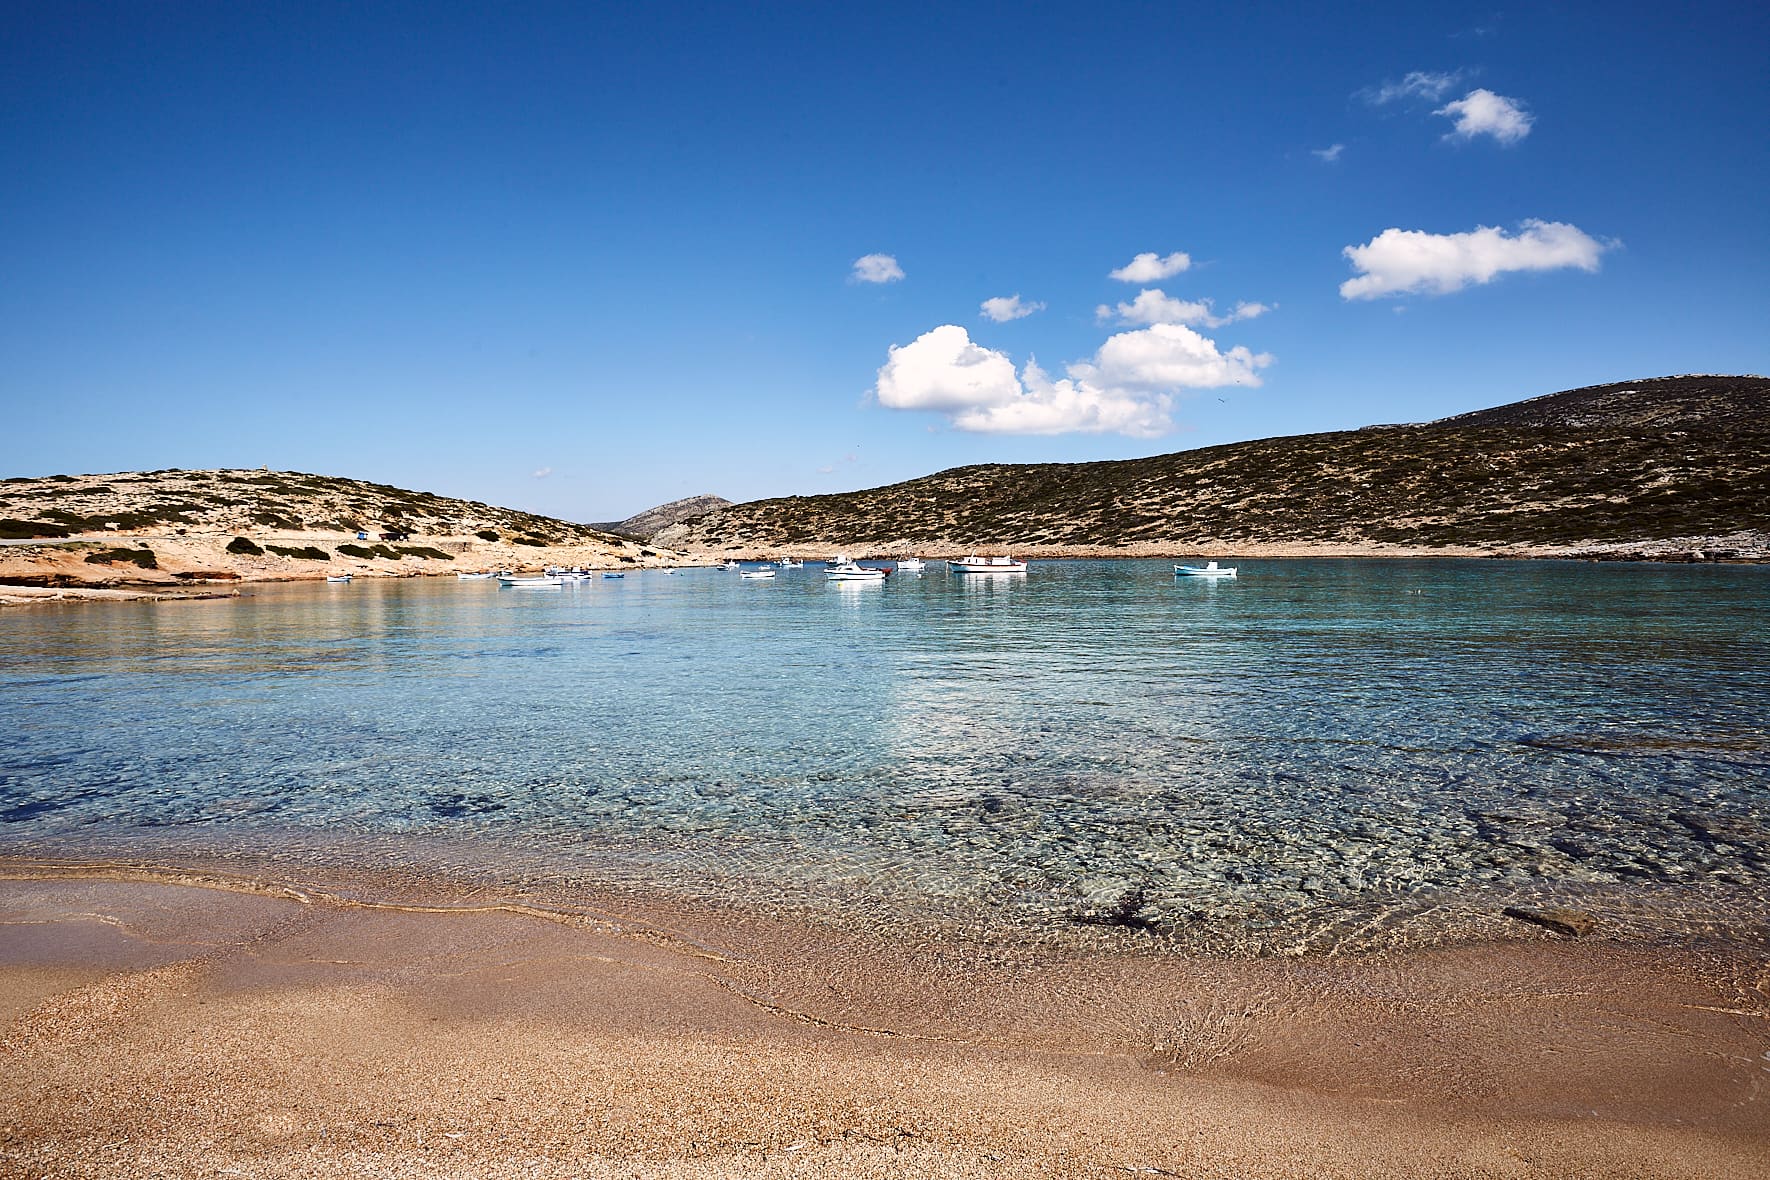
[
  {"x": 792, "y": 563},
  {"x": 485, "y": 577},
  {"x": 844, "y": 569},
  {"x": 987, "y": 565},
  {"x": 612, "y": 575},
  {"x": 728, "y": 565},
  {"x": 337, "y": 577},
  {"x": 1209, "y": 569},
  {"x": 757, "y": 575},
  {"x": 910, "y": 565},
  {"x": 540, "y": 583}
]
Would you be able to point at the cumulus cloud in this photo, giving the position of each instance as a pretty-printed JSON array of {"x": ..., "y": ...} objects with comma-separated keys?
[
  {"x": 876, "y": 268},
  {"x": 1421, "y": 84},
  {"x": 1166, "y": 357},
  {"x": 1002, "y": 309},
  {"x": 1128, "y": 387},
  {"x": 1151, "y": 268},
  {"x": 541, "y": 473},
  {"x": 1328, "y": 154},
  {"x": 1482, "y": 112},
  {"x": 1401, "y": 262},
  {"x": 1154, "y": 306}
]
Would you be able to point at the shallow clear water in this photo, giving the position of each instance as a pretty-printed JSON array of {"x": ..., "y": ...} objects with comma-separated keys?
[{"x": 1316, "y": 755}]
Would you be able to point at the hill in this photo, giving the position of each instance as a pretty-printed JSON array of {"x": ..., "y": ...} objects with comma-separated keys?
[
  {"x": 1644, "y": 467},
  {"x": 646, "y": 524},
  {"x": 182, "y": 527}
]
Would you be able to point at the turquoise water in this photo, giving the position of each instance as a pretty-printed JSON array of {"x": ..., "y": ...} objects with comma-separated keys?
[{"x": 1318, "y": 755}]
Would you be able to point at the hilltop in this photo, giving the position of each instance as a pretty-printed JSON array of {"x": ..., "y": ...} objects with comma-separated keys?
[
  {"x": 1670, "y": 465},
  {"x": 654, "y": 520},
  {"x": 197, "y": 527}
]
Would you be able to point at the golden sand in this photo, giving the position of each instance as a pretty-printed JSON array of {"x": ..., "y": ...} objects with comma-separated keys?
[{"x": 163, "y": 1029}]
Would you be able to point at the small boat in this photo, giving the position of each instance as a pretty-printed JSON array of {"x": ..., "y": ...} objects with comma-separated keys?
[
  {"x": 910, "y": 565},
  {"x": 611, "y": 575},
  {"x": 337, "y": 577},
  {"x": 757, "y": 575},
  {"x": 542, "y": 583},
  {"x": 728, "y": 565},
  {"x": 792, "y": 563},
  {"x": 1208, "y": 570},
  {"x": 485, "y": 577},
  {"x": 844, "y": 569},
  {"x": 992, "y": 565}
]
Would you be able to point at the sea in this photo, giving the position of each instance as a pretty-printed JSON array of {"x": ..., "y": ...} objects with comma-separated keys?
[{"x": 1315, "y": 757}]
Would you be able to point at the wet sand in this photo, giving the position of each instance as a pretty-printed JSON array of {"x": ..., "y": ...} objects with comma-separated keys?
[{"x": 157, "y": 1024}]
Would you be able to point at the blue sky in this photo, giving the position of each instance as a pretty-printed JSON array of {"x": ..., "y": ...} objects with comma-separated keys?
[{"x": 586, "y": 258}]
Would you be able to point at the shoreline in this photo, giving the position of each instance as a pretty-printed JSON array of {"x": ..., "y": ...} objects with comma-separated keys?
[
  {"x": 281, "y": 1032},
  {"x": 33, "y": 575}
]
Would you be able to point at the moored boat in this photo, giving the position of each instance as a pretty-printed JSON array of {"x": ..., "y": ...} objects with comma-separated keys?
[
  {"x": 1208, "y": 570},
  {"x": 337, "y": 577},
  {"x": 910, "y": 565},
  {"x": 757, "y": 575},
  {"x": 792, "y": 563},
  {"x": 540, "y": 583},
  {"x": 845, "y": 569},
  {"x": 612, "y": 575},
  {"x": 990, "y": 565}
]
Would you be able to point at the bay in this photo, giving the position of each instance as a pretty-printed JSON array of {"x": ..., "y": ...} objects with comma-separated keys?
[{"x": 1318, "y": 756}]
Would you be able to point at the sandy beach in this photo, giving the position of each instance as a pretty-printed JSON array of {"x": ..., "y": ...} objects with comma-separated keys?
[{"x": 164, "y": 1022}]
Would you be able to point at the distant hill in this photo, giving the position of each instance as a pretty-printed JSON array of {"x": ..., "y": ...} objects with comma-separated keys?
[
  {"x": 644, "y": 525},
  {"x": 1626, "y": 463}
]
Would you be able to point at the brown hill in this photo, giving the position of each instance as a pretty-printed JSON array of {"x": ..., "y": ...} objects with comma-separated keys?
[
  {"x": 181, "y": 527},
  {"x": 1667, "y": 462}
]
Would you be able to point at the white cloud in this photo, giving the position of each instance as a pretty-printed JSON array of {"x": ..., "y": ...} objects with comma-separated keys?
[
  {"x": 1417, "y": 84},
  {"x": 876, "y": 268},
  {"x": 1328, "y": 154},
  {"x": 541, "y": 473},
  {"x": 1154, "y": 306},
  {"x": 1151, "y": 268},
  {"x": 1167, "y": 357},
  {"x": 942, "y": 370},
  {"x": 1128, "y": 387},
  {"x": 1482, "y": 112},
  {"x": 1398, "y": 261},
  {"x": 1002, "y": 309}
]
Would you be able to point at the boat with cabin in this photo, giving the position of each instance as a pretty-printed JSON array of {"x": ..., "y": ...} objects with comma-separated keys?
[
  {"x": 1208, "y": 570},
  {"x": 987, "y": 565},
  {"x": 845, "y": 569}
]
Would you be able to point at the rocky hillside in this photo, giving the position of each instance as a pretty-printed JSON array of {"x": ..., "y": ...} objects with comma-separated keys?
[
  {"x": 243, "y": 501},
  {"x": 1680, "y": 461},
  {"x": 646, "y": 524},
  {"x": 181, "y": 527}
]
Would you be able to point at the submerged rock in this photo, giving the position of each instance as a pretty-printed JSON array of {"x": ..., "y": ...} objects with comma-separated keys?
[{"x": 1572, "y": 923}]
